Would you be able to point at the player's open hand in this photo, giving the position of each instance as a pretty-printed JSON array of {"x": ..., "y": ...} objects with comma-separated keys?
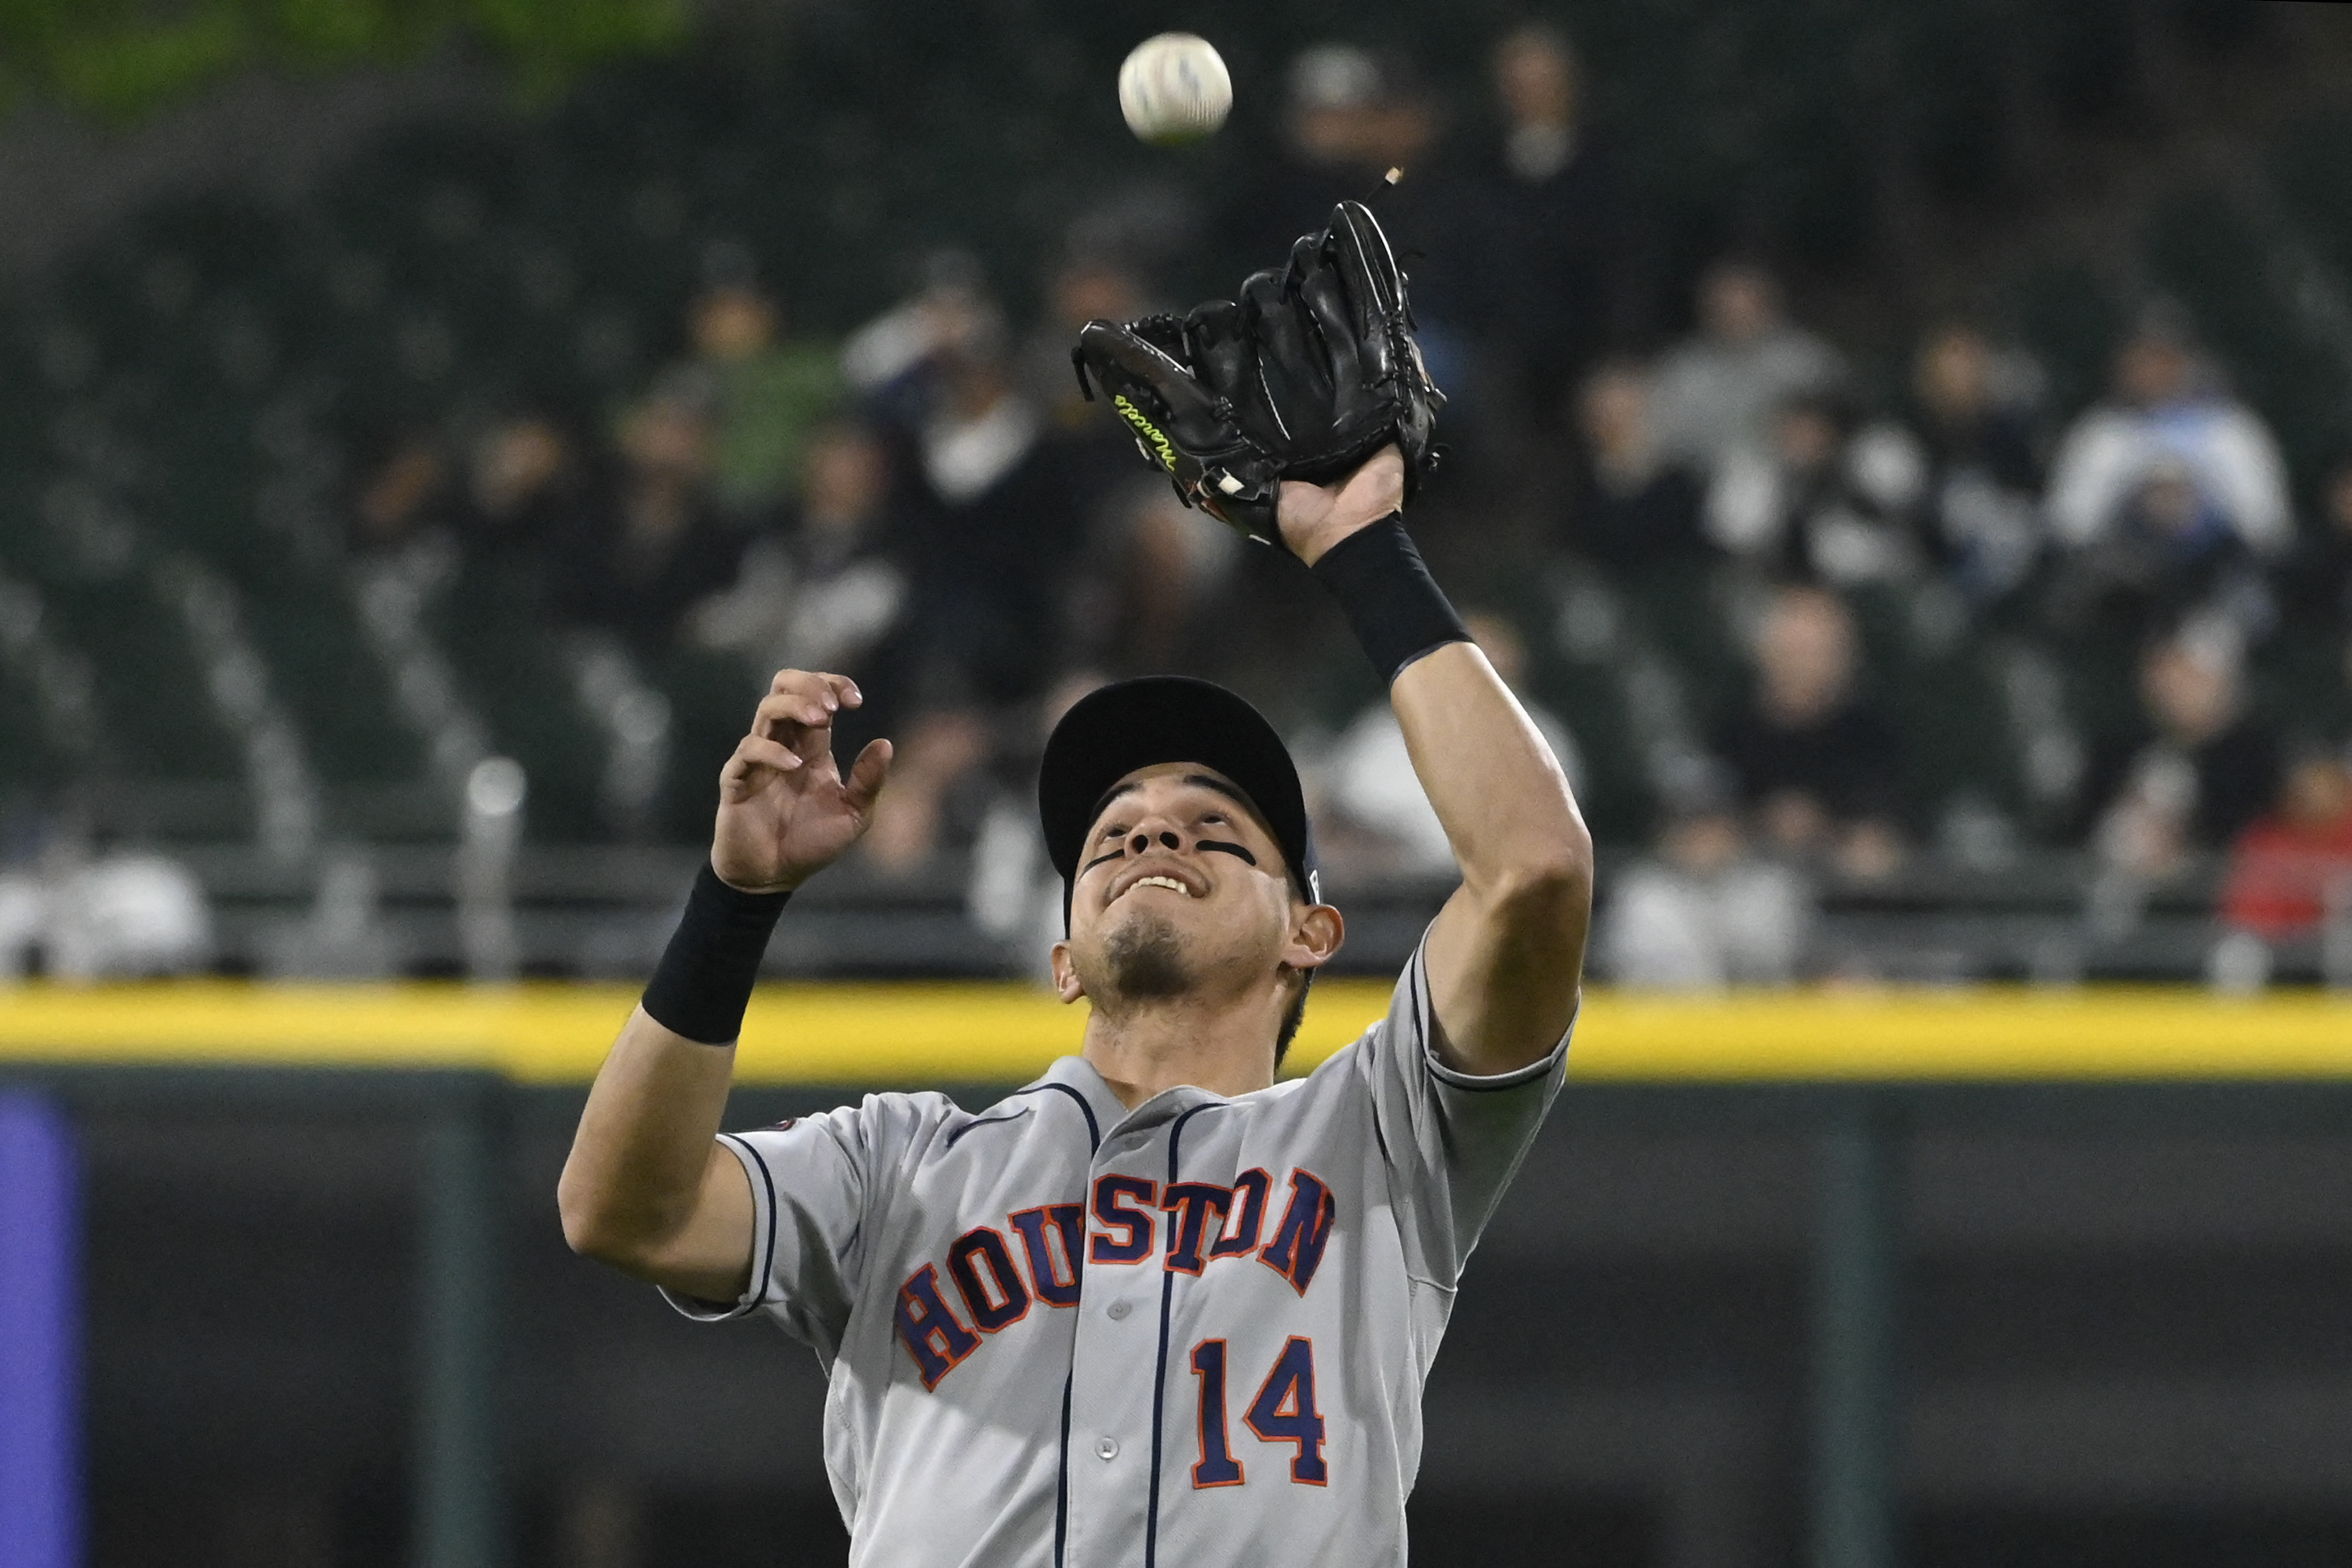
[
  {"x": 785, "y": 812},
  {"x": 1313, "y": 517}
]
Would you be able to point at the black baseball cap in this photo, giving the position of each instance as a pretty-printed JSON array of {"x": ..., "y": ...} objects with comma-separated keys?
[{"x": 1129, "y": 724}]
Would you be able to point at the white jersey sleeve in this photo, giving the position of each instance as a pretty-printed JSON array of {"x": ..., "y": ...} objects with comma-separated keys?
[
  {"x": 1451, "y": 1142},
  {"x": 811, "y": 1179}
]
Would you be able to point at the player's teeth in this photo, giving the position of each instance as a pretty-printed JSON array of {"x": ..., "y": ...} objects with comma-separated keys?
[{"x": 1169, "y": 882}]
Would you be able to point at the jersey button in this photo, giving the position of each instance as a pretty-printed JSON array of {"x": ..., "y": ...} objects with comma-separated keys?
[
  {"x": 1106, "y": 1448},
  {"x": 1118, "y": 1310}
]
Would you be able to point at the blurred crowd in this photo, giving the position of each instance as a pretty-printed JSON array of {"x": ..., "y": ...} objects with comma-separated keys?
[
  {"x": 1763, "y": 554},
  {"x": 932, "y": 506}
]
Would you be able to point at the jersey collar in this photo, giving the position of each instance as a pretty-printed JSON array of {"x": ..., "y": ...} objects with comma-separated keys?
[{"x": 1113, "y": 1118}]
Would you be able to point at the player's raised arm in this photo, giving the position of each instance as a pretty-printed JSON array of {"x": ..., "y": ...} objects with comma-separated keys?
[
  {"x": 1507, "y": 953},
  {"x": 647, "y": 1187},
  {"x": 1302, "y": 415}
]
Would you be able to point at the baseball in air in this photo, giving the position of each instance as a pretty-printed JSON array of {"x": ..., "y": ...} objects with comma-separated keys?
[{"x": 1174, "y": 89}]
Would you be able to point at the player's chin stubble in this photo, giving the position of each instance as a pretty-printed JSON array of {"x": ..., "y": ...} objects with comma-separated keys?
[{"x": 1145, "y": 958}]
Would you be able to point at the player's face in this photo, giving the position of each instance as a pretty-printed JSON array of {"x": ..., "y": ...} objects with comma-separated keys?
[{"x": 1180, "y": 884}]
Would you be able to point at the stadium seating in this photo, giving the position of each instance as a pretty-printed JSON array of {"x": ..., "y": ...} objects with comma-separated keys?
[{"x": 194, "y": 654}]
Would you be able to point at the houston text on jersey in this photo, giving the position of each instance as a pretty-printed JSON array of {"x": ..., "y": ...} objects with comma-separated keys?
[{"x": 1189, "y": 1225}]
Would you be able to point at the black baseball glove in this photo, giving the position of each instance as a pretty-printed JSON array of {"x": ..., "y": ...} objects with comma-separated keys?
[{"x": 1309, "y": 372}]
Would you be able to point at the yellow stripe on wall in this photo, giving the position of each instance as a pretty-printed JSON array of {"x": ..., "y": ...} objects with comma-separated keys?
[{"x": 915, "y": 1034}]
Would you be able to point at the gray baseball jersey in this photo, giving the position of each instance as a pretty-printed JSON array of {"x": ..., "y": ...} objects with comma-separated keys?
[{"x": 1061, "y": 1332}]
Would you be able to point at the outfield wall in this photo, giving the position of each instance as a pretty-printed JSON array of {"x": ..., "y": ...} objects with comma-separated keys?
[{"x": 1855, "y": 1277}]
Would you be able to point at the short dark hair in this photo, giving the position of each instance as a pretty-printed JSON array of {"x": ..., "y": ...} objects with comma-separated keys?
[{"x": 1293, "y": 1016}]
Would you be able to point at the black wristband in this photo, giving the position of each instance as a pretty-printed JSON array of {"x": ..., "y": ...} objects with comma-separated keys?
[
  {"x": 704, "y": 982},
  {"x": 1397, "y": 609}
]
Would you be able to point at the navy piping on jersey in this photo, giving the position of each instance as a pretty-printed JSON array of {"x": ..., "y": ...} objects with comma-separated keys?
[
  {"x": 767, "y": 1259},
  {"x": 985, "y": 1121},
  {"x": 1062, "y": 1470},
  {"x": 1159, "y": 1381},
  {"x": 1519, "y": 1079},
  {"x": 1061, "y": 1480},
  {"x": 1093, "y": 1129}
]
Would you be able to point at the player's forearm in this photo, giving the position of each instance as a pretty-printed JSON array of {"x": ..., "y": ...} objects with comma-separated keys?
[
  {"x": 1496, "y": 786},
  {"x": 1502, "y": 800},
  {"x": 1507, "y": 953},
  {"x": 646, "y": 1187},
  {"x": 632, "y": 1184}
]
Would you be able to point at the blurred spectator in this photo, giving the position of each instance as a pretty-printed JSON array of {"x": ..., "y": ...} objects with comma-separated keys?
[
  {"x": 24, "y": 910},
  {"x": 938, "y": 756},
  {"x": 820, "y": 594},
  {"x": 2332, "y": 570},
  {"x": 1151, "y": 593},
  {"x": 1704, "y": 912},
  {"x": 1824, "y": 499},
  {"x": 993, "y": 530},
  {"x": 992, "y": 542},
  {"x": 404, "y": 495},
  {"x": 117, "y": 915},
  {"x": 1815, "y": 759},
  {"x": 1552, "y": 237},
  {"x": 2165, "y": 499},
  {"x": 1630, "y": 508},
  {"x": 1353, "y": 115},
  {"x": 1336, "y": 92},
  {"x": 889, "y": 362},
  {"x": 2292, "y": 868},
  {"x": 637, "y": 563},
  {"x": 2317, "y": 581},
  {"x": 1369, "y": 779},
  {"x": 1083, "y": 288},
  {"x": 2204, "y": 767},
  {"x": 1718, "y": 390},
  {"x": 1086, "y": 438},
  {"x": 762, "y": 395},
  {"x": 1973, "y": 415},
  {"x": 527, "y": 486},
  {"x": 1012, "y": 891}
]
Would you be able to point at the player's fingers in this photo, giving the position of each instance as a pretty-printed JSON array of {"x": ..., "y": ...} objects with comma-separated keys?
[
  {"x": 797, "y": 680},
  {"x": 844, "y": 690},
  {"x": 756, "y": 760},
  {"x": 781, "y": 712},
  {"x": 762, "y": 751},
  {"x": 866, "y": 775},
  {"x": 804, "y": 683}
]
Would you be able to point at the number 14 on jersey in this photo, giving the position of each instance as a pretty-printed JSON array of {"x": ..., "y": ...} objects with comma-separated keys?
[{"x": 1283, "y": 1411}]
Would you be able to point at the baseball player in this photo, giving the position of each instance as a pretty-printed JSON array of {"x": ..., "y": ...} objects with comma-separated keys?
[{"x": 1155, "y": 1307}]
